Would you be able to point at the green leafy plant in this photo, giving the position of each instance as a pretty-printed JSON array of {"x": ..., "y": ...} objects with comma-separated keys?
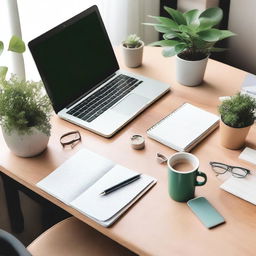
[
  {"x": 23, "y": 105},
  {"x": 238, "y": 111},
  {"x": 132, "y": 41},
  {"x": 15, "y": 45},
  {"x": 191, "y": 35}
]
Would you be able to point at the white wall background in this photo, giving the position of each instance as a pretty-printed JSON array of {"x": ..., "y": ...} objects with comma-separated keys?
[{"x": 121, "y": 18}]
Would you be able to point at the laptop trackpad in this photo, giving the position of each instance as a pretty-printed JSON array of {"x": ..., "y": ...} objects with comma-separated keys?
[{"x": 131, "y": 104}]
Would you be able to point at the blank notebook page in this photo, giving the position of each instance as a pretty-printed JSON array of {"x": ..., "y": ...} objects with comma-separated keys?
[
  {"x": 183, "y": 126},
  {"x": 105, "y": 207},
  {"x": 242, "y": 187}
]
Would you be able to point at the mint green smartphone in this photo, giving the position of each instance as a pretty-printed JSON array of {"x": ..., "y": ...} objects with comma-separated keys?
[{"x": 206, "y": 213}]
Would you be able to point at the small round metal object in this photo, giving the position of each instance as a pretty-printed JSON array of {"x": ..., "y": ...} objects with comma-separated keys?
[{"x": 137, "y": 141}]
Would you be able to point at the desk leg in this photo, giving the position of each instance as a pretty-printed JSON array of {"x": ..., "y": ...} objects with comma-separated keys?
[{"x": 13, "y": 204}]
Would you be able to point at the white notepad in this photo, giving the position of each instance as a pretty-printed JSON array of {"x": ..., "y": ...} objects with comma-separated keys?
[
  {"x": 184, "y": 128},
  {"x": 242, "y": 187},
  {"x": 79, "y": 181}
]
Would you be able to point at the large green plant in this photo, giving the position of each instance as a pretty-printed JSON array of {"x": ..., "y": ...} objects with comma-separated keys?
[
  {"x": 15, "y": 45},
  {"x": 238, "y": 111},
  {"x": 191, "y": 34},
  {"x": 23, "y": 105}
]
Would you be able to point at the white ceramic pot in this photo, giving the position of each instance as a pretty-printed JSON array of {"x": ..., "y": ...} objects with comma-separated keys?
[
  {"x": 133, "y": 56},
  {"x": 26, "y": 145},
  {"x": 190, "y": 73}
]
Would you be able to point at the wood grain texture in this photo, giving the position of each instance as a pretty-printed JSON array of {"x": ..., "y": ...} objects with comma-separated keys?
[{"x": 157, "y": 225}]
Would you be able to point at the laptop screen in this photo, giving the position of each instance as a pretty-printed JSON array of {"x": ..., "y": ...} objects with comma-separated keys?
[{"x": 74, "y": 57}]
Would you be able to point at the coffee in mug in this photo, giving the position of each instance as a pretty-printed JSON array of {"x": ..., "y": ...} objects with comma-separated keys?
[
  {"x": 182, "y": 176},
  {"x": 183, "y": 166}
]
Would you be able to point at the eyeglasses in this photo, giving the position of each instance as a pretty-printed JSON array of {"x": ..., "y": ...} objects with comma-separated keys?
[
  {"x": 70, "y": 138},
  {"x": 236, "y": 171}
]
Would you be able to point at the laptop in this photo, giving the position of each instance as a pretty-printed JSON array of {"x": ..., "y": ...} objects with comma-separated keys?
[{"x": 82, "y": 77}]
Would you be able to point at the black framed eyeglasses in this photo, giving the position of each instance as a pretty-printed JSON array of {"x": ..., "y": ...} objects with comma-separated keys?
[{"x": 236, "y": 171}]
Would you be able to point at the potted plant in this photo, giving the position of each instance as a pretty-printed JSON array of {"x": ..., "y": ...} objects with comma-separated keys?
[
  {"x": 24, "y": 110},
  {"x": 24, "y": 113},
  {"x": 237, "y": 116},
  {"x": 133, "y": 51},
  {"x": 190, "y": 36}
]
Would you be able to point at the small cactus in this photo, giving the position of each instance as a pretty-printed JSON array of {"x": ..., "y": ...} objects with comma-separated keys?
[{"x": 132, "y": 41}]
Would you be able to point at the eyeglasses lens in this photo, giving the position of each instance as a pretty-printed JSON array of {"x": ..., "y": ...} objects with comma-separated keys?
[
  {"x": 219, "y": 168},
  {"x": 238, "y": 172},
  {"x": 70, "y": 137}
]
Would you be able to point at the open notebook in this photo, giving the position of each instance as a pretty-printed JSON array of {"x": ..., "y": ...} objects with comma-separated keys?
[{"x": 79, "y": 181}]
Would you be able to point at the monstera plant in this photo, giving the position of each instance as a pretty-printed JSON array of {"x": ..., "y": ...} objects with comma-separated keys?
[{"x": 190, "y": 36}]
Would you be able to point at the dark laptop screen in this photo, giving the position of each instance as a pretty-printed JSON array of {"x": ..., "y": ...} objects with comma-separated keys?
[{"x": 73, "y": 57}]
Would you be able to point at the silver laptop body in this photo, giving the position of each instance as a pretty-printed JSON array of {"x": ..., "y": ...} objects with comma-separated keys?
[{"x": 78, "y": 74}]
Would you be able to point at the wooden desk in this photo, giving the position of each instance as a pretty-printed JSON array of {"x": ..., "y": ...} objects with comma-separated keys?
[{"x": 157, "y": 225}]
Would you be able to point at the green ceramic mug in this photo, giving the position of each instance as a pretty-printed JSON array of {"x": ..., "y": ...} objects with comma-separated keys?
[{"x": 182, "y": 176}]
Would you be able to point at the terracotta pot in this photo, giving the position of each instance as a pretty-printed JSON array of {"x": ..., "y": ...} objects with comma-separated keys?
[
  {"x": 233, "y": 138},
  {"x": 190, "y": 73},
  {"x": 26, "y": 145},
  {"x": 133, "y": 56}
]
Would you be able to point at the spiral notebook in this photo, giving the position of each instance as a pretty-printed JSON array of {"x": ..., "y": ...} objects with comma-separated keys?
[{"x": 184, "y": 128}]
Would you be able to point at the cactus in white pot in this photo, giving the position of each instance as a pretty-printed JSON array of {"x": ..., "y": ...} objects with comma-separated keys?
[{"x": 133, "y": 51}]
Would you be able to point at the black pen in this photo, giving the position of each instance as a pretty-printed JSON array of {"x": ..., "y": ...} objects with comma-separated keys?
[{"x": 120, "y": 185}]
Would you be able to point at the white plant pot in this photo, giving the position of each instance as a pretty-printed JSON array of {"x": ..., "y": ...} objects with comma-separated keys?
[
  {"x": 133, "y": 56},
  {"x": 190, "y": 73},
  {"x": 26, "y": 145}
]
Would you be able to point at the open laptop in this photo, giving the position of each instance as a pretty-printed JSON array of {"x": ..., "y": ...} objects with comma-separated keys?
[{"x": 81, "y": 75}]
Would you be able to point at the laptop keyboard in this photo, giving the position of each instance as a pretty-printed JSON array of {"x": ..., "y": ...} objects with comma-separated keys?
[{"x": 104, "y": 98}]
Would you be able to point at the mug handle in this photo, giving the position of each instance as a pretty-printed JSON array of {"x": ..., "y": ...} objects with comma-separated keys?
[{"x": 201, "y": 183}]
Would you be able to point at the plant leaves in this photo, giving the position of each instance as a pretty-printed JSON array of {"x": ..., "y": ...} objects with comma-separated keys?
[
  {"x": 192, "y": 16},
  {"x": 165, "y": 43},
  {"x": 215, "y": 49},
  {"x": 166, "y": 22},
  {"x": 1, "y": 47},
  {"x": 3, "y": 72},
  {"x": 170, "y": 35},
  {"x": 225, "y": 34},
  {"x": 180, "y": 47},
  {"x": 159, "y": 27},
  {"x": 176, "y": 15},
  {"x": 210, "y": 35},
  {"x": 210, "y": 17},
  {"x": 169, "y": 52},
  {"x": 16, "y": 45}
]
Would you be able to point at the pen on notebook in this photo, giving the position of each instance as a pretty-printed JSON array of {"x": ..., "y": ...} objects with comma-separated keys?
[{"x": 120, "y": 185}]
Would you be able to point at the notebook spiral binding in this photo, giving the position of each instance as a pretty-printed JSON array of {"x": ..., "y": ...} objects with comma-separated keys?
[{"x": 160, "y": 121}]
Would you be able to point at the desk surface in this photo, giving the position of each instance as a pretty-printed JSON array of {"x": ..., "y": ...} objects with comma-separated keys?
[{"x": 157, "y": 225}]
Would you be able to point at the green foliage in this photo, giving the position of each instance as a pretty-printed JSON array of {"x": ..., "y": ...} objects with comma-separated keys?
[
  {"x": 15, "y": 45},
  {"x": 238, "y": 111},
  {"x": 24, "y": 104},
  {"x": 132, "y": 41},
  {"x": 190, "y": 33}
]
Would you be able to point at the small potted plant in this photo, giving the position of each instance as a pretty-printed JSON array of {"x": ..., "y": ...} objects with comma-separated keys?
[
  {"x": 190, "y": 36},
  {"x": 25, "y": 112},
  {"x": 237, "y": 116},
  {"x": 133, "y": 51}
]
